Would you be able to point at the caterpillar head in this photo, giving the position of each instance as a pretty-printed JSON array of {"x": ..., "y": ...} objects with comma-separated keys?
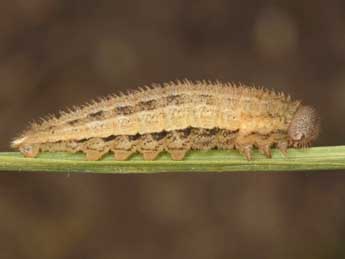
[{"x": 304, "y": 127}]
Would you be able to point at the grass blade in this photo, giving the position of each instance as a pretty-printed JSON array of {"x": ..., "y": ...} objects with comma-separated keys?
[{"x": 316, "y": 158}]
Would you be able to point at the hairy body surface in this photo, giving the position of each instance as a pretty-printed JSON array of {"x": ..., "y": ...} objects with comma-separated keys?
[{"x": 176, "y": 117}]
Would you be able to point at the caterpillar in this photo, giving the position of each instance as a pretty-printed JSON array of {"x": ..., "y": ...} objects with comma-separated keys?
[{"x": 176, "y": 117}]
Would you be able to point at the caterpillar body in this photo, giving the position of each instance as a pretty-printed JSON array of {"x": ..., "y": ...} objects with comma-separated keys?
[{"x": 176, "y": 117}]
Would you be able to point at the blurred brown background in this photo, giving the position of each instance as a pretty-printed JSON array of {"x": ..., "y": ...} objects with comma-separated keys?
[{"x": 58, "y": 53}]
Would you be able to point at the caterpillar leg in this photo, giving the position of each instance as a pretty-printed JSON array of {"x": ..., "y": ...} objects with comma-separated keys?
[
  {"x": 246, "y": 143},
  {"x": 246, "y": 150},
  {"x": 150, "y": 154},
  {"x": 95, "y": 149},
  {"x": 30, "y": 150},
  {"x": 123, "y": 147},
  {"x": 177, "y": 154},
  {"x": 94, "y": 155},
  {"x": 178, "y": 143},
  {"x": 150, "y": 145},
  {"x": 263, "y": 142},
  {"x": 283, "y": 146},
  {"x": 265, "y": 149}
]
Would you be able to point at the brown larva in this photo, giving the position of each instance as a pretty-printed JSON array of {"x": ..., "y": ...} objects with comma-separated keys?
[{"x": 176, "y": 118}]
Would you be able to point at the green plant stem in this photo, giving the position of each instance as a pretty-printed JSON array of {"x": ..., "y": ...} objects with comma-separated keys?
[{"x": 317, "y": 158}]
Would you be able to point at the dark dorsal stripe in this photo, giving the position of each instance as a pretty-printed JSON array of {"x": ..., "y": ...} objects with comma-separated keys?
[{"x": 148, "y": 105}]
